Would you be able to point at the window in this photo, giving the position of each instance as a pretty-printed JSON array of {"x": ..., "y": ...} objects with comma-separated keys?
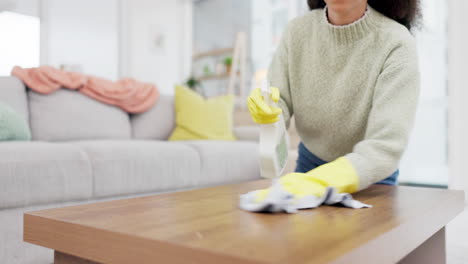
[
  {"x": 19, "y": 41},
  {"x": 425, "y": 161}
]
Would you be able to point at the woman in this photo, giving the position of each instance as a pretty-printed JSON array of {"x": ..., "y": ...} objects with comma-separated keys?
[{"x": 348, "y": 72}]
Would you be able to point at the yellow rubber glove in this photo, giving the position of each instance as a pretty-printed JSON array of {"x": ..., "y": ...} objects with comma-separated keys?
[
  {"x": 308, "y": 190},
  {"x": 297, "y": 184},
  {"x": 260, "y": 111},
  {"x": 339, "y": 174}
]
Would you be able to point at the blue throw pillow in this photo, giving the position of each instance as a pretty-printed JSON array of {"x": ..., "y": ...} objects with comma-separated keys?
[{"x": 12, "y": 125}]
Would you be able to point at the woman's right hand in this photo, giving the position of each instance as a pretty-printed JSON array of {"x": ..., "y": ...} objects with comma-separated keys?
[{"x": 261, "y": 112}]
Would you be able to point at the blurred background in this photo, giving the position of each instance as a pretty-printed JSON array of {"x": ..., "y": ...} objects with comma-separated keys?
[{"x": 218, "y": 47}]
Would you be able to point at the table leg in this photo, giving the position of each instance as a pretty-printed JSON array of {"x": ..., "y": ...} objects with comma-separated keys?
[
  {"x": 62, "y": 258},
  {"x": 431, "y": 251}
]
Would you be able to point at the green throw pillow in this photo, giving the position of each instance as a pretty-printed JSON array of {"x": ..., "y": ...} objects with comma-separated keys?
[{"x": 12, "y": 125}]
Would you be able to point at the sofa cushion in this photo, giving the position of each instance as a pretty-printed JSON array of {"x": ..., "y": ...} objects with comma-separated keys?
[
  {"x": 227, "y": 162},
  {"x": 39, "y": 172},
  {"x": 12, "y": 125},
  {"x": 69, "y": 115},
  {"x": 156, "y": 123},
  {"x": 128, "y": 167},
  {"x": 13, "y": 94},
  {"x": 198, "y": 118}
]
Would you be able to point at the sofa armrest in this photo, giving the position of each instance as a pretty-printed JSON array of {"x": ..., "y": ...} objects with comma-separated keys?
[{"x": 247, "y": 133}]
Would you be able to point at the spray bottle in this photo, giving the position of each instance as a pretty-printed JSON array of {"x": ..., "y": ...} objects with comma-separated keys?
[{"x": 274, "y": 142}]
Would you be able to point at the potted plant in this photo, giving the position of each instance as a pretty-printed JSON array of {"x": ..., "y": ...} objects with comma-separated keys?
[
  {"x": 192, "y": 83},
  {"x": 207, "y": 70},
  {"x": 228, "y": 63}
]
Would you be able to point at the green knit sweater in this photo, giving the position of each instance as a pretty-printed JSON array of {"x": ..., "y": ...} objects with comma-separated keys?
[{"x": 352, "y": 89}]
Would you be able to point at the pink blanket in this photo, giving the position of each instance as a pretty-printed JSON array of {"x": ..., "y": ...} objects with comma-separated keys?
[{"x": 128, "y": 94}]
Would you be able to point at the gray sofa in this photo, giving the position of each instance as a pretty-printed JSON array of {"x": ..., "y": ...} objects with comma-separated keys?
[{"x": 85, "y": 151}]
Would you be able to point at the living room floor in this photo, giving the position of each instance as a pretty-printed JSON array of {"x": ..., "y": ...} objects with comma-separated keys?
[{"x": 457, "y": 239}]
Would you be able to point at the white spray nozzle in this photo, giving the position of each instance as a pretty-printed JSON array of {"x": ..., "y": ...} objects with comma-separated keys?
[{"x": 266, "y": 92}]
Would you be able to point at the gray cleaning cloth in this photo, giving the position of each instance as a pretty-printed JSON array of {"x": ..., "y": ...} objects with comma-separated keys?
[{"x": 278, "y": 200}]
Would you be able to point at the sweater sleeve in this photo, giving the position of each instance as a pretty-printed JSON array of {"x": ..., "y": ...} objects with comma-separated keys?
[
  {"x": 390, "y": 119},
  {"x": 278, "y": 75}
]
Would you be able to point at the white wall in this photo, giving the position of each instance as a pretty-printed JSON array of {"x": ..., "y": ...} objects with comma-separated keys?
[
  {"x": 116, "y": 38},
  {"x": 81, "y": 32},
  {"x": 458, "y": 94},
  {"x": 157, "y": 41},
  {"x": 25, "y": 7}
]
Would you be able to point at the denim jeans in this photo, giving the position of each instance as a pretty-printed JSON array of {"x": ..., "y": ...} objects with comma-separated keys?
[{"x": 308, "y": 161}]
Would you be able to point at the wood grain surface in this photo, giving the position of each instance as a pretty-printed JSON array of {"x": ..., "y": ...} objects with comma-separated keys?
[
  {"x": 62, "y": 258},
  {"x": 206, "y": 226}
]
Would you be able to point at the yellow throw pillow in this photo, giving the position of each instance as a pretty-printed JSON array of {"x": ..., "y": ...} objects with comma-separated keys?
[{"x": 198, "y": 118}]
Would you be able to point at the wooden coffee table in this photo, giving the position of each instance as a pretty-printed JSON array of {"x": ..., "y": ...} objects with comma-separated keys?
[{"x": 205, "y": 226}]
